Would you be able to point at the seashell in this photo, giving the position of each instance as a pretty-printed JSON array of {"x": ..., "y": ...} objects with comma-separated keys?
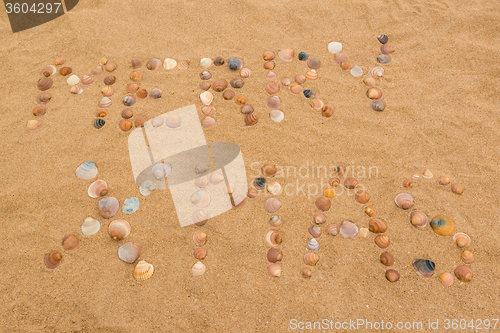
[
  {"x": 272, "y": 88},
  {"x": 427, "y": 174},
  {"x": 97, "y": 189},
  {"x": 219, "y": 61},
  {"x": 173, "y": 121},
  {"x": 334, "y": 47},
  {"x": 208, "y": 122},
  {"x": 286, "y": 55},
  {"x": 157, "y": 121},
  {"x": 348, "y": 229},
  {"x": 143, "y": 271},
  {"x": 90, "y": 226},
  {"x": 60, "y": 61},
  {"x": 119, "y": 229},
  {"x": 446, "y": 279},
  {"x": 362, "y": 197},
  {"x": 269, "y": 65},
  {"x": 245, "y": 72},
  {"x": 387, "y": 259},
  {"x": 216, "y": 177},
  {"x": 327, "y": 110},
  {"x": 382, "y": 241},
  {"x": 86, "y": 80},
  {"x": 392, "y": 275},
  {"x": 97, "y": 71},
  {"x": 52, "y": 259},
  {"x": 70, "y": 243},
  {"x": 44, "y": 83},
  {"x": 200, "y": 217},
  {"x": 200, "y": 253},
  {"x": 155, "y": 93},
  {"x": 198, "y": 269},
  {"x": 313, "y": 63},
  {"x": 309, "y": 93},
  {"x": 315, "y": 231},
  {"x": 251, "y": 119},
  {"x": 370, "y": 211},
  {"x": 303, "y": 56},
  {"x": 199, "y": 238},
  {"x": 442, "y": 225},
  {"x": 377, "y": 226},
  {"x": 252, "y": 193},
  {"x": 316, "y": 103},
  {"x": 237, "y": 83},
  {"x": 153, "y": 64},
  {"x": 274, "y": 254},
  {"x": 356, "y": 71},
  {"x": 140, "y": 121},
  {"x": 238, "y": 200},
  {"x": 161, "y": 170},
  {"x": 332, "y": 229},
  {"x": 201, "y": 181},
  {"x": 274, "y": 270},
  {"x": 169, "y": 63},
  {"x": 296, "y": 89},
  {"x": 234, "y": 64},
  {"x": 351, "y": 183},
  {"x": 271, "y": 75},
  {"x": 183, "y": 65},
  {"x": 273, "y": 102},
  {"x": 370, "y": 81},
  {"x": 208, "y": 110},
  {"x": 319, "y": 218},
  {"x": 407, "y": 183},
  {"x": 77, "y": 90},
  {"x": 404, "y": 200},
  {"x": 219, "y": 85},
  {"x": 110, "y": 66},
  {"x": 136, "y": 63},
  {"x": 274, "y": 188},
  {"x": 378, "y": 105},
  {"x": 268, "y": 55},
  {"x": 110, "y": 80},
  {"x": 105, "y": 102},
  {"x": 346, "y": 65},
  {"x": 334, "y": 181},
  {"x": 383, "y": 59},
  {"x": 206, "y": 75},
  {"x": 329, "y": 192},
  {"x": 374, "y": 93},
  {"x": 39, "y": 110},
  {"x": 73, "y": 80},
  {"x": 364, "y": 232},
  {"x": 206, "y": 97},
  {"x": 273, "y": 238},
  {"x": 129, "y": 252},
  {"x": 259, "y": 183},
  {"x": 424, "y": 267},
  {"x": 323, "y": 204},
  {"x": 201, "y": 198},
  {"x": 463, "y": 273},
  {"x": 312, "y": 75},
  {"x": 311, "y": 258},
  {"x": 340, "y": 170},
  {"x": 382, "y": 39},
  {"x": 135, "y": 76},
  {"x": 240, "y": 100},
  {"x": 64, "y": 71},
  {"x": 246, "y": 109},
  {"x": 131, "y": 88},
  {"x": 387, "y": 49},
  {"x": 306, "y": 272},
  {"x": 86, "y": 170},
  {"x": 376, "y": 71},
  {"x": 443, "y": 180},
  {"x": 340, "y": 58},
  {"x": 146, "y": 188},
  {"x": 418, "y": 218},
  {"x": 276, "y": 220},
  {"x": 127, "y": 113},
  {"x": 142, "y": 93},
  {"x": 468, "y": 257},
  {"x": 457, "y": 188},
  {"x": 461, "y": 239},
  {"x": 268, "y": 170},
  {"x": 272, "y": 205},
  {"x": 130, "y": 205},
  {"x": 48, "y": 70},
  {"x": 108, "y": 207},
  {"x": 201, "y": 168},
  {"x": 286, "y": 82},
  {"x": 312, "y": 245},
  {"x": 205, "y": 63},
  {"x": 98, "y": 123},
  {"x": 228, "y": 94},
  {"x": 299, "y": 79},
  {"x": 125, "y": 125},
  {"x": 43, "y": 98}
]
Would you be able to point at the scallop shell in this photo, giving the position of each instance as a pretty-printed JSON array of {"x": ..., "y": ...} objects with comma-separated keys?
[
  {"x": 387, "y": 49},
  {"x": 374, "y": 93},
  {"x": 98, "y": 123},
  {"x": 73, "y": 80},
  {"x": 312, "y": 75},
  {"x": 125, "y": 125},
  {"x": 404, "y": 200},
  {"x": 97, "y": 71},
  {"x": 340, "y": 58},
  {"x": 105, "y": 102},
  {"x": 351, "y": 183},
  {"x": 446, "y": 279},
  {"x": 376, "y": 71},
  {"x": 362, "y": 197},
  {"x": 274, "y": 254},
  {"x": 65, "y": 71},
  {"x": 303, "y": 56},
  {"x": 387, "y": 259},
  {"x": 216, "y": 177},
  {"x": 169, "y": 63},
  {"x": 276, "y": 220},
  {"x": 461, "y": 239},
  {"x": 467, "y": 257},
  {"x": 442, "y": 225},
  {"x": 424, "y": 267},
  {"x": 272, "y": 205},
  {"x": 130, "y": 205},
  {"x": 311, "y": 258},
  {"x": 44, "y": 83},
  {"x": 313, "y": 63},
  {"x": 97, "y": 189},
  {"x": 206, "y": 97},
  {"x": 356, "y": 71},
  {"x": 110, "y": 66},
  {"x": 208, "y": 122},
  {"x": 237, "y": 82},
  {"x": 161, "y": 170},
  {"x": 312, "y": 245},
  {"x": 392, "y": 275},
  {"x": 286, "y": 55},
  {"x": 142, "y": 93},
  {"x": 334, "y": 47},
  {"x": 147, "y": 187},
  {"x": 90, "y": 226},
  {"x": 332, "y": 229},
  {"x": 323, "y": 204},
  {"x": 129, "y": 252},
  {"x": 418, "y": 218},
  {"x": 383, "y": 59},
  {"x": 348, "y": 229},
  {"x": 457, "y": 188},
  {"x": 269, "y": 65},
  {"x": 70, "y": 243},
  {"x": 245, "y": 72},
  {"x": 201, "y": 198},
  {"x": 119, "y": 229},
  {"x": 234, "y": 64},
  {"x": 153, "y": 64},
  {"x": 463, "y": 273},
  {"x": 273, "y": 238},
  {"x": 108, "y": 207},
  {"x": 155, "y": 93},
  {"x": 33, "y": 125},
  {"x": 49, "y": 70},
  {"x": 377, "y": 226},
  {"x": 86, "y": 170},
  {"x": 143, "y": 271},
  {"x": 52, "y": 259},
  {"x": 251, "y": 119},
  {"x": 200, "y": 217},
  {"x": 198, "y": 269},
  {"x": 382, "y": 39}
]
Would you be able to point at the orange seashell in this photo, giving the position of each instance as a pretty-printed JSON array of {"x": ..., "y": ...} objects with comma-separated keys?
[
  {"x": 142, "y": 93},
  {"x": 76, "y": 89},
  {"x": 377, "y": 226},
  {"x": 468, "y": 257},
  {"x": 60, "y": 61},
  {"x": 376, "y": 71},
  {"x": 299, "y": 79},
  {"x": 132, "y": 88},
  {"x": 317, "y": 104},
  {"x": 274, "y": 270},
  {"x": 136, "y": 63},
  {"x": 70, "y": 243},
  {"x": 387, "y": 49},
  {"x": 332, "y": 229},
  {"x": 443, "y": 180},
  {"x": 39, "y": 110},
  {"x": 208, "y": 122},
  {"x": 382, "y": 241},
  {"x": 442, "y": 225},
  {"x": 273, "y": 238},
  {"x": 101, "y": 113},
  {"x": 119, "y": 229},
  {"x": 200, "y": 253},
  {"x": 140, "y": 121},
  {"x": 327, "y": 110},
  {"x": 251, "y": 119},
  {"x": 110, "y": 66},
  {"x": 306, "y": 272},
  {"x": 370, "y": 81},
  {"x": 183, "y": 65},
  {"x": 52, "y": 259},
  {"x": 154, "y": 64},
  {"x": 418, "y": 218},
  {"x": 228, "y": 94},
  {"x": 374, "y": 93},
  {"x": 136, "y": 76},
  {"x": 286, "y": 82},
  {"x": 252, "y": 193},
  {"x": 48, "y": 70},
  {"x": 33, "y": 125},
  {"x": 219, "y": 85},
  {"x": 362, "y": 197},
  {"x": 370, "y": 211},
  {"x": 323, "y": 204},
  {"x": 240, "y": 100},
  {"x": 86, "y": 80},
  {"x": 127, "y": 113},
  {"x": 44, "y": 83},
  {"x": 97, "y": 71},
  {"x": 274, "y": 254},
  {"x": 65, "y": 71},
  {"x": 407, "y": 183},
  {"x": 346, "y": 65},
  {"x": 208, "y": 110},
  {"x": 457, "y": 188},
  {"x": 296, "y": 88},
  {"x": 319, "y": 218},
  {"x": 329, "y": 192},
  {"x": 125, "y": 125},
  {"x": 446, "y": 279},
  {"x": 392, "y": 275},
  {"x": 269, "y": 170},
  {"x": 351, "y": 183},
  {"x": 272, "y": 88},
  {"x": 312, "y": 75},
  {"x": 269, "y": 65},
  {"x": 387, "y": 259},
  {"x": 268, "y": 55},
  {"x": 311, "y": 258},
  {"x": 108, "y": 91},
  {"x": 286, "y": 55},
  {"x": 245, "y": 72},
  {"x": 199, "y": 238},
  {"x": 463, "y": 273},
  {"x": 334, "y": 181}
]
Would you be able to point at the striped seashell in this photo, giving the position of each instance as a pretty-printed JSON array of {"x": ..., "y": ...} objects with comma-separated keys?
[
  {"x": 461, "y": 239},
  {"x": 377, "y": 226},
  {"x": 376, "y": 71},
  {"x": 208, "y": 110},
  {"x": 109, "y": 80},
  {"x": 143, "y": 271},
  {"x": 44, "y": 83},
  {"x": 315, "y": 231},
  {"x": 387, "y": 49},
  {"x": 216, "y": 177},
  {"x": 142, "y": 93},
  {"x": 208, "y": 122},
  {"x": 311, "y": 258},
  {"x": 296, "y": 88},
  {"x": 299, "y": 79},
  {"x": 132, "y": 88},
  {"x": 219, "y": 85},
  {"x": 245, "y": 72},
  {"x": 387, "y": 259},
  {"x": 418, "y": 218},
  {"x": 184, "y": 64},
  {"x": 169, "y": 63},
  {"x": 128, "y": 100},
  {"x": 382, "y": 241},
  {"x": 205, "y": 75},
  {"x": 86, "y": 80},
  {"x": 273, "y": 102},
  {"x": 312, "y": 245},
  {"x": 198, "y": 269},
  {"x": 77, "y": 89},
  {"x": 272, "y": 88},
  {"x": 468, "y": 257},
  {"x": 237, "y": 83},
  {"x": 135, "y": 76},
  {"x": 228, "y": 94},
  {"x": 251, "y": 119},
  {"x": 404, "y": 200},
  {"x": 374, "y": 93},
  {"x": 383, "y": 39},
  {"x": 205, "y": 85},
  {"x": 119, "y": 229},
  {"x": 392, "y": 275},
  {"x": 200, "y": 253},
  {"x": 201, "y": 181},
  {"x": 424, "y": 267},
  {"x": 52, "y": 259},
  {"x": 274, "y": 188},
  {"x": 199, "y": 238},
  {"x": 332, "y": 229},
  {"x": 98, "y": 123},
  {"x": 252, "y": 193},
  {"x": 268, "y": 55},
  {"x": 65, "y": 71},
  {"x": 272, "y": 205},
  {"x": 153, "y": 64},
  {"x": 110, "y": 66},
  {"x": 136, "y": 63},
  {"x": 206, "y": 97},
  {"x": 286, "y": 82},
  {"x": 319, "y": 218},
  {"x": 105, "y": 102},
  {"x": 200, "y": 217},
  {"x": 39, "y": 110},
  {"x": 273, "y": 238},
  {"x": 312, "y": 75},
  {"x": 277, "y": 116},
  {"x": 108, "y": 91},
  {"x": 205, "y": 63},
  {"x": 49, "y": 70},
  {"x": 362, "y": 197}
]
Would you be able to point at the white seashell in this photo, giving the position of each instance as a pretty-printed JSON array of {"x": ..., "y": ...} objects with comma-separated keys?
[
  {"x": 201, "y": 198},
  {"x": 348, "y": 229},
  {"x": 143, "y": 270},
  {"x": 205, "y": 63},
  {"x": 313, "y": 245},
  {"x": 73, "y": 80},
  {"x": 206, "y": 97},
  {"x": 169, "y": 63},
  {"x": 157, "y": 121},
  {"x": 86, "y": 170},
  {"x": 364, "y": 232},
  {"x": 201, "y": 181},
  {"x": 173, "y": 121},
  {"x": 147, "y": 187},
  {"x": 105, "y": 102},
  {"x": 274, "y": 188},
  {"x": 277, "y": 115},
  {"x": 90, "y": 226},
  {"x": 198, "y": 269},
  {"x": 161, "y": 170},
  {"x": 356, "y": 71},
  {"x": 334, "y": 47},
  {"x": 216, "y": 177}
]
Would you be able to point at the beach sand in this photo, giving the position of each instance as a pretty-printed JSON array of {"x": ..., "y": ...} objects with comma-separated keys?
[{"x": 441, "y": 90}]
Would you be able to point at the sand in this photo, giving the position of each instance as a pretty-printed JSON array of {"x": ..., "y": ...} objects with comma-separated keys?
[{"x": 441, "y": 90}]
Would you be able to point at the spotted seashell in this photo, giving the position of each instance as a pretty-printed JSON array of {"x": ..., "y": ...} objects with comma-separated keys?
[
  {"x": 129, "y": 252},
  {"x": 377, "y": 105},
  {"x": 153, "y": 64},
  {"x": 206, "y": 75},
  {"x": 49, "y": 70},
  {"x": 246, "y": 109},
  {"x": 312, "y": 75},
  {"x": 143, "y": 271},
  {"x": 286, "y": 55},
  {"x": 73, "y": 80},
  {"x": 201, "y": 198},
  {"x": 272, "y": 205},
  {"x": 424, "y": 267},
  {"x": 245, "y": 72},
  {"x": 340, "y": 58},
  {"x": 442, "y": 225},
  {"x": 44, "y": 83},
  {"x": 208, "y": 122},
  {"x": 272, "y": 88},
  {"x": 277, "y": 115},
  {"x": 206, "y": 97},
  {"x": 311, "y": 258},
  {"x": 376, "y": 71},
  {"x": 128, "y": 100},
  {"x": 208, "y": 110},
  {"x": 383, "y": 59},
  {"x": 312, "y": 245},
  {"x": 313, "y": 63},
  {"x": 303, "y": 56},
  {"x": 198, "y": 269},
  {"x": 387, "y": 49},
  {"x": 234, "y": 64},
  {"x": 237, "y": 83},
  {"x": 86, "y": 80},
  {"x": 273, "y": 238},
  {"x": 334, "y": 47},
  {"x": 77, "y": 89},
  {"x": 105, "y": 102},
  {"x": 219, "y": 61},
  {"x": 348, "y": 229},
  {"x": 251, "y": 119},
  {"x": 98, "y": 123},
  {"x": 169, "y": 63}
]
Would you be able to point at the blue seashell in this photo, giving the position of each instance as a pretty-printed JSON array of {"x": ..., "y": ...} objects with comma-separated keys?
[
  {"x": 86, "y": 170},
  {"x": 130, "y": 205},
  {"x": 303, "y": 56},
  {"x": 259, "y": 183},
  {"x": 234, "y": 64},
  {"x": 308, "y": 93},
  {"x": 424, "y": 267}
]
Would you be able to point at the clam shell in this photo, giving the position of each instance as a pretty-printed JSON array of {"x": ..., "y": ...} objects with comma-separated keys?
[
  {"x": 184, "y": 64},
  {"x": 206, "y": 75},
  {"x": 443, "y": 180},
  {"x": 201, "y": 198},
  {"x": 268, "y": 55},
  {"x": 108, "y": 91},
  {"x": 98, "y": 123},
  {"x": 408, "y": 183},
  {"x": 446, "y": 279},
  {"x": 129, "y": 252},
  {"x": 273, "y": 238},
  {"x": 370, "y": 81},
  {"x": 274, "y": 188},
  {"x": 252, "y": 193},
  {"x": 312, "y": 75},
  {"x": 136, "y": 63},
  {"x": 276, "y": 220},
  {"x": 132, "y": 88},
  {"x": 461, "y": 239},
  {"x": 377, "y": 226},
  {"x": 216, "y": 177},
  {"x": 200, "y": 253},
  {"x": 259, "y": 183},
  {"x": 286, "y": 55},
  {"x": 272, "y": 205},
  {"x": 246, "y": 109},
  {"x": 153, "y": 64},
  {"x": 334, "y": 181},
  {"x": 219, "y": 85},
  {"x": 208, "y": 110},
  {"x": 315, "y": 231},
  {"x": 60, "y": 61},
  {"x": 356, "y": 71},
  {"x": 161, "y": 170},
  {"x": 392, "y": 275},
  {"x": 105, "y": 102},
  {"x": 346, "y": 65},
  {"x": 108, "y": 207},
  {"x": 173, "y": 121},
  {"x": 340, "y": 58},
  {"x": 427, "y": 174},
  {"x": 146, "y": 188},
  {"x": 316, "y": 103},
  {"x": 378, "y": 105},
  {"x": 64, "y": 71},
  {"x": 219, "y": 61},
  {"x": 418, "y": 218},
  {"x": 201, "y": 181},
  {"x": 234, "y": 64},
  {"x": 334, "y": 47},
  {"x": 77, "y": 90},
  {"x": 119, "y": 229},
  {"x": 240, "y": 100},
  {"x": 274, "y": 254},
  {"x": 110, "y": 66},
  {"x": 387, "y": 49},
  {"x": 364, "y": 232},
  {"x": 205, "y": 63},
  {"x": 97, "y": 71},
  {"x": 44, "y": 83},
  {"x": 332, "y": 229},
  {"x": 303, "y": 56},
  {"x": 251, "y": 119},
  {"x": 374, "y": 93},
  {"x": 199, "y": 238},
  {"x": 362, "y": 197},
  {"x": 376, "y": 71},
  {"x": 348, "y": 229},
  {"x": 73, "y": 80},
  {"x": 228, "y": 94},
  {"x": 457, "y": 188},
  {"x": 130, "y": 205},
  {"x": 308, "y": 93},
  {"x": 382, "y": 39},
  {"x": 319, "y": 218},
  {"x": 33, "y": 125},
  {"x": 442, "y": 225},
  {"x": 125, "y": 125},
  {"x": 467, "y": 257},
  {"x": 351, "y": 183},
  {"x": 323, "y": 204},
  {"x": 127, "y": 113},
  {"x": 383, "y": 59},
  {"x": 313, "y": 63},
  {"x": 271, "y": 75},
  {"x": 97, "y": 189},
  {"x": 143, "y": 271},
  {"x": 387, "y": 259},
  {"x": 296, "y": 88},
  {"x": 90, "y": 226},
  {"x": 208, "y": 122},
  {"x": 43, "y": 98},
  {"x": 276, "y": 116},
  {"x": 311, "y": 258},
  {"x": 169, "y": 63},
  {"x": 49, "y": 70},
  {"x": 142, "y": 93},
  {"x": 269, "y": 65},
  {"x": 52, "y": 259},
  {"x": 201, "y": 168},
  {"x": 110, "y": 80},
  {"x": 135, "y": 76},
  {"x": 404, "y": 200},
  {"x": 237, "y": 82},
  {"x": 312, "y": 245},
  {"x": 272, "y": 88},
  {"x": 198, "y": 269},
  {"x": 286, "y": 82},
  {"x": 327, "y": 110},
  {"x": 424, "y": 267},
  {"x": 155, "y": 93},
  {"x": 245, "y": 72},
  {"x": 306, "y": 272},
  {"x": 70, "y": 243},
  {"x": 273, "y": 102},
  {"x": 199, "y": 217},
  {"x": 206, "y": 97},
  {"x": 463, "y": 273},
  {"x": 300, "y": 79},
  {"x": 86, "y": 170},
  {"x": 268, "y": 170},
  {"x": 382, "y": 241}
]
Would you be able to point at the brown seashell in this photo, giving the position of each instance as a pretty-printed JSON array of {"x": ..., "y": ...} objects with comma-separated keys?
[
  {"x": 269, "y": 170},
  {"x": 299, "y": 79},
  {"x": 268, "y": 55},
  {"x": 60, "y": 61},
  {"x": 346, "y": 65},
  {"x": 200, "y": 253},
  {"x": 332, "y": 229},
  {"x": 362, "y": 197},
  {"x": 128, "y": 100},
  {"x": 48, "y": 70},
  {"x": 219, "y": 61},
  {"x": 274, "y": 270},
  {"x": 306, "y": 272},
  {"x": 246, "y": 109},
  {"x": 86, "y": 80},
  {"x": 140, "y": 121},
  {"x": 463, "y": 273},
  {"x": 136, "y": 76},
  {"x": 269, "y": 65},
  {"x": 315, "y": 231},
  {"x": 418, "y": 218},
  {"x": 468, "y": 257},
  {"x": 387, "y": 259},
  {"x": 407, "y": 183},
  {"x": 446, "y": 279},
  {"x": 44, "y": 83},
  {"x": 461, "y": 239},
  {"x": 272, "y": 88},
  {"x": 108, "y": 91},
  {"x": 404, "y": 200},
  {"x": 240, "y": 100},
  {"x": 33, "y": 125},
  {"x": 252, "y": 193},
  {"x": 97, "y": 71},
  {"x": 155, "y": 93},
  {"x": 370, "y": 211},
  {"x": 273, "y": 102},
  {"x": 327, "y": 110},
  {"x": 387, "y": 49},
  {"x": 370, "y": 81},
  {"x": 323, "y": 204},
  {"x": 219, "y": 85},
  {"x": 329, "y": 192},
  {"x": 274, "y": 254},
  {"x": 377, "y": 226},
  {"x": 208, "y": 110},
  {"x": 313, "y": 63},
  {"x": 383, "y": 39},
  {"x": 351, "y": 183},
  {"x": 108, "y": 207},
  {"x": 129, "y": 252},
  {"x": 65, "y": 71},
  {"x": 125, "y": 125},
  {"x": 334, "y": 181},
  {"x": 457, "y": 188},
  {"x": 311, "y": 258},
  {"x": 443, "y": 180},
  {"x": 132, "y": 88},
  {"x": 340, "y": 170},
  {"x": 273, "y": 238},
  {"x": 153, "y": 64},
  {"x": 101, "y": 113},
  {"x": 340, "y": 58},
  {"x": 52, "y": 259},
  {"x": 136, "y": 63},
  {"x": 228, "y": 94},
  {"x": 39, "y": 110},
  {"x": 119, "y": 229},
  {"x": 142, "y": 93},
  {"x": 206, "y": 75},
  {"x": 70, "y": 243},
  {"x": 251, "y": 119},
  {"x": 319, "y": 218},
  {"x": 199, "y": 238},
  {"x": 127, "y": 113},
  {"x": 208, "y": 122},
  {"x": 392, "y": 275},
  {"x": 272, "y": 205},
  {"x": 382, "y": 241},
  {"x": 296, "y": 88},
  {"x": 205, "y": 85},
  {"x": 374, "y": 93}
]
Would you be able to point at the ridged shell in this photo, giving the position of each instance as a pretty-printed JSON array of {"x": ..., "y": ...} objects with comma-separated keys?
[
  {"x": 52, "y": 259},
  {"x": 315, "y": 231},
  {"x": 311, "y": 258},
  {"x": 387, "y": 259},
  {"x": 143, "y": 271},
  {"x": 108, "y": 207},
  {"x": 153, "y": 64},
  {"x": 351, "y": 183},
  {"x": 404, "y": 200},
  {"x": 299, "y": 79},
  {"x": 382, "y": 39},
  {"x": 219, "y": 61},
  {"x": 259, "y": 183},
  {"x": 245, "y": 72},
  {"x": 370, "y": 211},
  {"x": 319, "y": 218},
  {"x": 246, "y": 109},
  {"x": 374, "y": 93},
  {"x": 273, "y": 102},
  {"x": 348, "y": 229},
  {"x": 77, "y": 90},
  {"x": 127, "y": 113},
  {"x": 86, "y": 80},
  {"x": 90, "y": 226},
  {"x": 43, "y": 98},
  {"x": 382, "y": 241},
  {"x": 392, "y": 275},
  {"x": 97, "y": 189},
  {"x": 39, "y": 110},
  {"x": 44, "y": 83},
  {"x": 312, "y": 75},
  {"x": 198, "y": 269},
  {"x": 206, "y": 98},
  {"x": 228, "y": 94},
  {"x": 323, "y": 204},
  {"x": 169, "y": 63},
  {"x": 327, "y": 110},
  {"x": 105, "y": 102},
  {"x": 274, "y": 254},
  {"x": 199, "y": 238},
  {"x": 98, "y": 123},
  {"x": 446, "y": 279},
  {"x": 387, "y": 49},
  {"x": 208, "y": 110},
  {"x": 161, "y": 170},
  {"x": 442, "y": 225},
  {"x": 274, "y": 188},
  {"x": 73, "y": 80},
  {"x": 125, "y": 125},
  {"x": 377, "y": 226},
  {"x": 383, "y": 59},
  {"x": 273, "y": 238},
  {"x": 208, "y": 122},
  {"x": 184, "y": 64},
  {"x": 312, "y": 245},
  {"x": 129, "y": 252},
  {"x": 136, "y": 63},
  {"x": 268, "y": 55},
  {"x": 286, "y": 55},
  {"x": 119, "y": 229},
  {"x": 201, "y": 198},
  {"x": 463, "y": 273},
  {"x": 110, "y": 80},
  {"x": 251, "y": 119},
  {"x": 418, "y": 218},
  {"x": 234, "y": 64},
  {"x": 135, "y": 76},
  {"x": 443, "y": 180},
  {"x": 332, "y": 229},
  {"x": 216, "y": 177},
  {"x": 219, "y": 85},
  {"x": 276, "y": 220},
  {"x": 132, "y": 88},
  {"x": 200, "y": 253},
  {"x": 457, "y": 188},
  {"x": 424, "y": 267},
  {"x": 49, "y": 70},
  {"x": 272, "y": 205},
  {"x": 362, "y": 197},
  {"x": 468, "y": 257},
  {"x": 155, "y": 93},
  {"x": 313, "y": 63},
  {"x": 461, "y": 239},
  {"x": 70, "y": 243},
  {"x": 201, "y": 168},
  {"x": 86, "y": 170},
  {"x": 376, "y": 71},
  {"x": 200, "y": 217},
  {"x": 205, "y": 63},
  {"x": 237, "y": 82}
]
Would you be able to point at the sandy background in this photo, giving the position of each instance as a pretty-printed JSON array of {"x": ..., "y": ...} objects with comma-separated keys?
[{"x": 442, "y": 92}]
